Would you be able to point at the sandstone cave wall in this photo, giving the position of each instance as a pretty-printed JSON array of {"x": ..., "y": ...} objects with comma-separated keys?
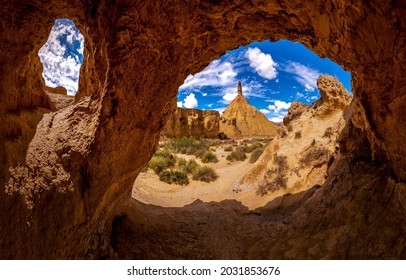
[{"x": 66, "y": 175}]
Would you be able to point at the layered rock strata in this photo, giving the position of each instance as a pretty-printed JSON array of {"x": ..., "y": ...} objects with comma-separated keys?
[{"x": 192, "y": 122}]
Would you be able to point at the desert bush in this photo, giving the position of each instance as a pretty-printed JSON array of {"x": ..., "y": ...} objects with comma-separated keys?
[
  {"x": 256, "y": 154},
  {"x": 248, "y": 149},
  {"x": 329, "y": 132},
  {"x": 209, "y": 157},
  {"x": 283, "y": 133},
  {"x": 189, "y": 167},
  {"x": 182, "y": 163},
  {"x": 161, "y": 160},
  {"x": 315, "y": 153},
  {"x": 188, "y": 145},
  {"x": 238, "y": 155},
  {"x": 205, "y": 174},
  {"x": 298, "y": 135},
  {"x": 290, "y": 127},
  {"x": 276, "y": 176},
  {"x": 228, "y": 148},
  {"x": 174, "y": 177}
]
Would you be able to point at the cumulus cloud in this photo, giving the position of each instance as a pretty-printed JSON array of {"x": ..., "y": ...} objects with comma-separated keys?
[
  {"x": 278, "y": 110},
  {"x": 179, "y": 104},
  {"x": 190, "y": 101},
  {"x": 228, "y": 97},
  {"x": 262, "y": 63},
  {"x": 264, "y": 111},
  {"x": 62, "y": 56},
  {"x": 204, "y": 94},
  {"x": 304, "y": 75},
  {"x": 217, "y": 74},
  {"x": 279, "y": 106}
]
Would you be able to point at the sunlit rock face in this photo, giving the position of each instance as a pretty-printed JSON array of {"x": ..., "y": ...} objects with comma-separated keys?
[
  {"x": 192, "y": 122},
  {"x": 240, "y": 119},
  {"x": 66, "y": 175}
]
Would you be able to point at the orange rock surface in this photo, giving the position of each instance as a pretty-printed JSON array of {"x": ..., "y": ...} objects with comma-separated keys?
[
  {"x": 192, "y": 122},
  {"x": 66, "y": 176},
  {"x": 240, "y": 119}
]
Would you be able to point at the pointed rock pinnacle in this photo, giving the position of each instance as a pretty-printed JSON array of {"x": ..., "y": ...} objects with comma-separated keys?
[{"x": 239, "y": 88}]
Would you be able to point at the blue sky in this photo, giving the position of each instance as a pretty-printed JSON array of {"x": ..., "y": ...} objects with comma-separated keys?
[
  {"x": 62, "y": 56},
  {"x": 273, "y": 74}
]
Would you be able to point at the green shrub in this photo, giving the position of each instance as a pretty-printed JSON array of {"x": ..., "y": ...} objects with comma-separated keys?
[
  {"x": 209, "y": 157},
  {"x": 188, "y": 145},
  {"x": 175, "y": 177},
  {"x": 228, "y": 148},
  {"x": 162, "y": 160},
  {"x": 205, "y": 174},
  {"x": 189, "y": 167},
  {"x": 277, "y": 177},
  {"x": 256, "y": 154},
  {"x": 238, "y": 155}
]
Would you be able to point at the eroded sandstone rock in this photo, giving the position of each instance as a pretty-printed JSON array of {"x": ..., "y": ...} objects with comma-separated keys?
[
  {"x": 240, "y": 119},
  {"x": 192, "y": 122},
  {"x": 76, "y": 171},
  {"x": 296, "y": 109}
]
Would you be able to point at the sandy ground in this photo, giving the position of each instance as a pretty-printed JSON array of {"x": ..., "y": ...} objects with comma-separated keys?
[{"x": 149, "y": 189}]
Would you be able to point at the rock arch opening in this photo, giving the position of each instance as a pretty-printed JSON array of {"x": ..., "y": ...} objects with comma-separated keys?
[
  {"x": 259, "y": 122},
  {"x": 62, "y": 57},
  {"x": 140, "y": 53}
]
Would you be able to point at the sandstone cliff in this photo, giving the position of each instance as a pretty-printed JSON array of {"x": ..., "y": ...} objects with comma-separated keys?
[
  {"x": 240, "y": 119},
  {"x": 298, "y": 158},
  {"x": 76, "y": 166},
  {"x": 192, "y": 122}
]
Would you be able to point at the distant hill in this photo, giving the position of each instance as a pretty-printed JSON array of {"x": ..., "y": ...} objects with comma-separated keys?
[{"x": 240, "y": 119}]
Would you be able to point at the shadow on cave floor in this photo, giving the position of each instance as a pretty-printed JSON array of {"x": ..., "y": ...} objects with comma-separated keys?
[
  {"x": 357, "y": 214},
  {"x": 156, "y": 232}
]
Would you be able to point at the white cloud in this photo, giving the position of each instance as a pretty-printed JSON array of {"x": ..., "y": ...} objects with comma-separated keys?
[
  {"x": 179, "y": 104},
  {"x": 277, "y": 80},
  {"x": 299, "y": 95},
  {"x": 278, "y": 119},
  {"x": 216, "y": 74},
  {"x": 264, "y": 111},
  {"x": 220, "y": 110},
  {"x": 262, "y": 63},
  {"x": 250, "y": 89},
  {"x": 190, "y": 101},
  {"x": 228, "y": 97},
  {"x": 278, "y": 110},
  {"x": 279, "y": 106},
  {"x": 204, "y": 94},
  {"x": 210, "y": 105},
  {"x": 304, "y": 75},
  {"x": 309, "y": 88},
  {"x": 61, "y": 60}
]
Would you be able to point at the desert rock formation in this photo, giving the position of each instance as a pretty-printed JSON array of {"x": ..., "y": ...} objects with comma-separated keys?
[
  {"x": 192, "y": 122},
  {"x": 66, "y": 176},
  {"x": 296, "y": 109},
  {"x": 333, "y": 94},
  {"x": 298, "y": 158},
  {"x": 240, "y": 119}
]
